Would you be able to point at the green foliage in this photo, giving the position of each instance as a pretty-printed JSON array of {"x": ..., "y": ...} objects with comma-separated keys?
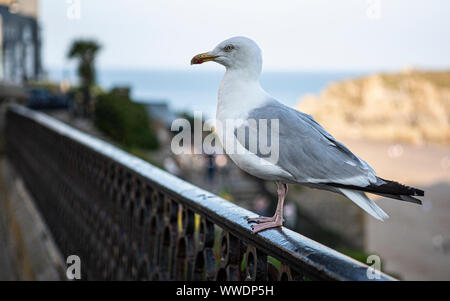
[
  {"x": 124, "y": 121},
  {"x": 47, "y": 85},
  {"x": 359, "y": 255}
]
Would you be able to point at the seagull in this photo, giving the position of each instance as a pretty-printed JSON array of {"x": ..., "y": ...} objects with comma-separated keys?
[{"x": 307, "y": 154}]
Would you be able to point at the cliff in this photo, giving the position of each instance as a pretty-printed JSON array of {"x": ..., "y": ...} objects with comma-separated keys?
[{"x": 411, "y": 106}]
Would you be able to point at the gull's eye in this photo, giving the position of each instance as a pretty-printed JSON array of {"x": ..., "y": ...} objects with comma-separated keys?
[{"x": 228, "y": 48}]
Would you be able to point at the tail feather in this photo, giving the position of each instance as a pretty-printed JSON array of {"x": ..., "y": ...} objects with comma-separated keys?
[{"x": 363, "y": 201}]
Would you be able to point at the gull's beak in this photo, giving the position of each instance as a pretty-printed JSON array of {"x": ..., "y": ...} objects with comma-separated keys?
[{"x": 202, "y": 57}]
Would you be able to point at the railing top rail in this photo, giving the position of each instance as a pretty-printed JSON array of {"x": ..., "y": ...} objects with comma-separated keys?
[{"x": 292, "y": 248}]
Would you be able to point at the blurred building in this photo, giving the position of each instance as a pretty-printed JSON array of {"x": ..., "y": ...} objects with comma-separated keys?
[
  {"x": 160, "y": 112},
  {"x": 20, "y": 51}
]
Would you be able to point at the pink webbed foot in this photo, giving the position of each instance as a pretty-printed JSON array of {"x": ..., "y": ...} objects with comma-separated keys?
[
  {"x": 265, "y": 223},
  {"x": 276, "y": 222}
]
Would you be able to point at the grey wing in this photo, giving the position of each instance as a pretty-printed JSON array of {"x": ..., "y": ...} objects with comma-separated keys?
[{"x": 306, "y": 150}]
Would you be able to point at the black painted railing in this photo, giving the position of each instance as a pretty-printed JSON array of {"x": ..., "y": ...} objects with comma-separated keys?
[{"x": 127, "y": 219}]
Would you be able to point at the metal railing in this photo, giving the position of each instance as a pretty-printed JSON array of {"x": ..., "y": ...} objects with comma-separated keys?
[{"x": 129, "y": 220}]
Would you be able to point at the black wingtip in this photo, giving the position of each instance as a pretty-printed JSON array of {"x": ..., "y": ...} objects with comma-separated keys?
[
  {"x": 410, "y": 199},
  {"x": 393, "y": 187},
  {"x": 418, "y": 192}
]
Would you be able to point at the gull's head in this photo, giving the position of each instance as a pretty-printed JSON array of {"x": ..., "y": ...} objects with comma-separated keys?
[{"x": 239, "y": 53}]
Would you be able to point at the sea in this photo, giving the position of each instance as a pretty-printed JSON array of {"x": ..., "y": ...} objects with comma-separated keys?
[{"x": 195, "y": 90}]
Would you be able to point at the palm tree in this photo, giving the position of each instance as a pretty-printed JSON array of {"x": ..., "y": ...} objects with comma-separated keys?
[{"x": 85, "y": 52}]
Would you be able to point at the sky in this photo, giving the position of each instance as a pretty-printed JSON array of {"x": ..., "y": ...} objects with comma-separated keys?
[{"x": 310, "y": 35}]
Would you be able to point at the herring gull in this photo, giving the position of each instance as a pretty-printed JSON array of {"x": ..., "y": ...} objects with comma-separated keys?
[{"x": 307, "y": 154}]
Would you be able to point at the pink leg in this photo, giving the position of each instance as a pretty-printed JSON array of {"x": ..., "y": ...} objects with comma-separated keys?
[{"x": 276, "y": 220}]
